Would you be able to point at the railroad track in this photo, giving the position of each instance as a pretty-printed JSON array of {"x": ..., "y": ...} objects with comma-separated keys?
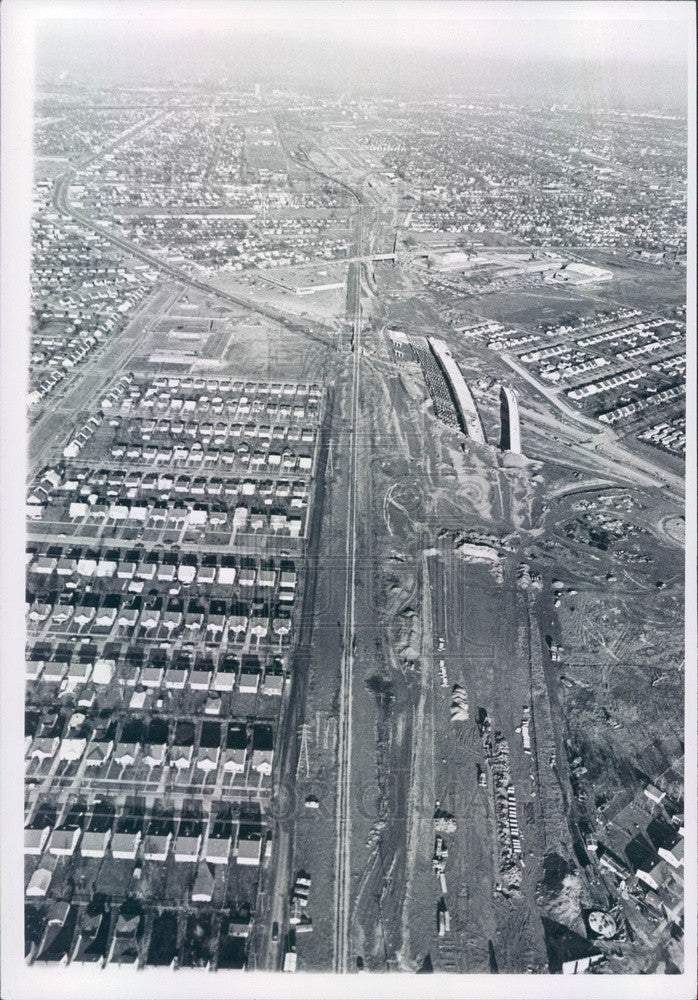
[
  {"x": 342, "y": 900},
  {"x": 342, "y": 895},
  {"x": 314, "y": 331}
]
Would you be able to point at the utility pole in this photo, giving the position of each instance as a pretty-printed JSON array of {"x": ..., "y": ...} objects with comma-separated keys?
[{"x": 303, "y": 752}]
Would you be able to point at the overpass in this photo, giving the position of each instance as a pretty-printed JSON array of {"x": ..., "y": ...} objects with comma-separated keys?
[
  {"x": 510, "y": 434},
  {"x": 313, "y": 329},
  {"x": 468, "y": 416},
  {"x": 366, "y": 259}
]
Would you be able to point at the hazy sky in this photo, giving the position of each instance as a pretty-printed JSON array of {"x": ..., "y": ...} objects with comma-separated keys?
[{"x": 640, "y": 49}]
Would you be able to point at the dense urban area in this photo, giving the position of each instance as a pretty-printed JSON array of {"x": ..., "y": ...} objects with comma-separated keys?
[{"x": 355, "y": 534}]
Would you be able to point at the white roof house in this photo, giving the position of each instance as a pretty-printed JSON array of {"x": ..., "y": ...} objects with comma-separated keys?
[
  {"x": 39, "y": 882},
  {"x": 226, "y": 575},
  {"x": 124, "y": 846},
  {"x": 64, "y": 842},
  {"x": 187, "y": 848},
  {"x": 35, "y": 840},
  {"x": 72, "y": 749},
  {"x": 202, "y": 890},
  {"x": 94, "y": 843}
]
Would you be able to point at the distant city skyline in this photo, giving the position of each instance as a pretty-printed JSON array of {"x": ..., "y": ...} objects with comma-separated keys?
[{"x": 607, "y": 54}]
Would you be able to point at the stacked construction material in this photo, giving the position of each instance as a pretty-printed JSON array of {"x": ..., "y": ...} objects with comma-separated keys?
[
  {"x": 459, "y": 704},
  {"x": 443, "y": 918},
  {"x": 439, "y": 862},
  {"x": 513, "y": 821},
  {"x": 299, "y": 900}
]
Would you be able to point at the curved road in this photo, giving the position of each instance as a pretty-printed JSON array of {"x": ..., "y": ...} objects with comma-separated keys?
[
  {"x": 314, "y": 331},
  {"x": 606, "y": 447}
]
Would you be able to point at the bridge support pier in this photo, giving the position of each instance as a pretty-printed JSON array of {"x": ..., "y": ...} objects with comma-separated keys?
[{"x": 510, "y": 434}]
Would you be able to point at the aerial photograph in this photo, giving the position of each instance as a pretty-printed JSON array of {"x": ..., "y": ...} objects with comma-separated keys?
[{"x": 354, "y": 574}]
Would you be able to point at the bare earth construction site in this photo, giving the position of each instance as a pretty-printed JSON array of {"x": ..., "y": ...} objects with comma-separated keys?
[{"x": 355, "y": 577}]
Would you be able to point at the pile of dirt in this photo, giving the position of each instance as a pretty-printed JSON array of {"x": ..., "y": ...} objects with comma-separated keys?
[
  {"x": 409, "y": 638},
  {"x": 509, "y": 869},
  {"x": 459, "y": 704},
  {"x": 561, "y": 892},
  {"x": 444, "y": 822},
  {"x": 510, "y": 460}
]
